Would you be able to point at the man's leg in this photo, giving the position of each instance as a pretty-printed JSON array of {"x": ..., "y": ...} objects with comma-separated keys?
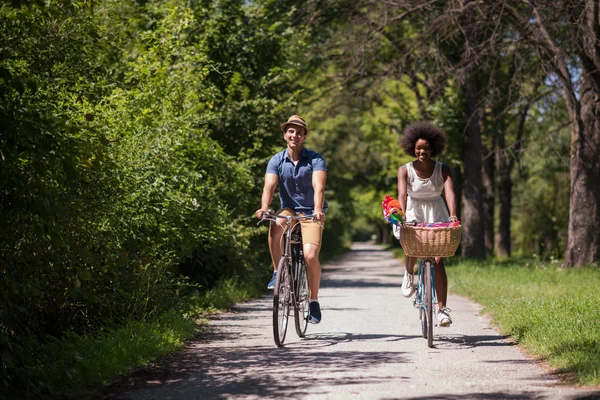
[
  {"x": 276, "y": 232},
  {"x": 311, "y": 247},
  {"x": 313, "y": 269}
]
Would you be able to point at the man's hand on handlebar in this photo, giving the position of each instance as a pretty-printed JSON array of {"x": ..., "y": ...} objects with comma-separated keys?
[
  {"x": 319, "y": 216},
  {"x": 259, "y": 213}
]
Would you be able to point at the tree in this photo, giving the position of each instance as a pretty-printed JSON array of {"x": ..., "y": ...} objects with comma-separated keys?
[{"x": 567, "y": 38}]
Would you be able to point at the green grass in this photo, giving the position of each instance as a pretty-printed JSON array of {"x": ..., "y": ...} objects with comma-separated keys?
[
  {"x": 78, "y": 367},
  {"x": 552, "y": 312}
]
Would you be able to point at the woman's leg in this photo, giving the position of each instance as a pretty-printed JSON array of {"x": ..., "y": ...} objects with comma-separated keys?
[
  {"x": 441, "y": 282},
  {"x": 408, "y": 287},
  {"x": 409, "y": 262}
]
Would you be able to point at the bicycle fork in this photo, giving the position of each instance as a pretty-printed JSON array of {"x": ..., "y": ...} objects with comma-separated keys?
[{"x": 419, "y": 300}]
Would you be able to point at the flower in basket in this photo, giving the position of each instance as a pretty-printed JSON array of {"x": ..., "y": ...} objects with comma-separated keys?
[
  {"x": 392, "y": 211},
  {"x": 439, "y": 224}
]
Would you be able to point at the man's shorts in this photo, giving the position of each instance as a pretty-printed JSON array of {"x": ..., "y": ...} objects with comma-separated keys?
[{"x": 311, "y": 231}]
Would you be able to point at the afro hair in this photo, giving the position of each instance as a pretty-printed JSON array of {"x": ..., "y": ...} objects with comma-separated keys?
[{"x": 423, "y": 130}]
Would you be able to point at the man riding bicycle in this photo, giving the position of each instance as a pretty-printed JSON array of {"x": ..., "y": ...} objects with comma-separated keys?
[{"x": 300, "y": 175}]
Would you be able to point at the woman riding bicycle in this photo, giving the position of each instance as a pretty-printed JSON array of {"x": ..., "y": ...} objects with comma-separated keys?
[
  {"x": 300, "y": 175},
  {"x": 420, "y": 185}
]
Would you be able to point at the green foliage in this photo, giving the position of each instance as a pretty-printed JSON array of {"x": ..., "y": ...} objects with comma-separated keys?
[
  {"x": 77, "y": 366},
  {"x": 135, "y": 137},
  {"x": 543, "y": 183},
  {"x": 359, "y": 137},
  {"x": 551, "y": 311},
  {"x": 126, "y": 169}
]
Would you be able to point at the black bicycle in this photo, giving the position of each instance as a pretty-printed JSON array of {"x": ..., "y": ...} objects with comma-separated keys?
[{"x": 291, "y": 285}]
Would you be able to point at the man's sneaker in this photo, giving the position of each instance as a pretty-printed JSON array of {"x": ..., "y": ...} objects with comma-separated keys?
[
  {"x": 407, "y": 285},
  {"x": 444, "y": 317},
  {"x": 315, "y": 312},
  {"x": 271, "y": 284}
]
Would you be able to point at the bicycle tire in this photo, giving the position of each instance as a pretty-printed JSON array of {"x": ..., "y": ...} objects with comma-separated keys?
[
  {"x": 429, "y": 302},
  {"x": 421, "y": 300},
  {"x": 281, "y": 302},
  {"x": 301, "y": 310}
]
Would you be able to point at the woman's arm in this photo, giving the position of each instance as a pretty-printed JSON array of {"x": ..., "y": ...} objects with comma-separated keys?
[
  {"x": 449, "y": 192},
  {"x": 402, "y": 177}
]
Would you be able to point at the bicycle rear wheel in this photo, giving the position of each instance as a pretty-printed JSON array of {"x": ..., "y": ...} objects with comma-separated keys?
[
  {"x": 281, "y": 302},
  {"x": 301, "y": 310},
  {"x": 429, "y": 301}
]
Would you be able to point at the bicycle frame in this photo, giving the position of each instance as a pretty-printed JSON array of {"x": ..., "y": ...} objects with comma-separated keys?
[
  {"x": 291, "y": 236},
  {"x": 426, "y": 298},
  {"x": 291, "y": 279}
]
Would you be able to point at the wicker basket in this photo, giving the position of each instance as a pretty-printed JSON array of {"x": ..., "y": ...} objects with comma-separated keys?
[{"x": 430, "y": 242}]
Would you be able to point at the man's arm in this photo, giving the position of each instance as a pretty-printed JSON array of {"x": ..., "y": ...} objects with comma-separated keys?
[
  {"x": 267, "y": 194},
  {"x": 318, "y": 182}
]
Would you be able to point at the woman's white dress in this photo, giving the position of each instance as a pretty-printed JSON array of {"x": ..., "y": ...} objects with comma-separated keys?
[{"x": 424, "y": 202}]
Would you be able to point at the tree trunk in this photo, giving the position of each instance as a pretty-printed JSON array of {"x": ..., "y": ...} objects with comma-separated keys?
[
  {"x": 505, "y": 184},
  {"x": 503, "y": 248},
  {"x": 489, "y": 201},
  {"x": 583, "y": 244},
  {"x": 472, "y": 245},
  {"x": 384, "y": 236}
]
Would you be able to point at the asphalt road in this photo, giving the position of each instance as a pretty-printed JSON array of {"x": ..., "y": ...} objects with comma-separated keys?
[{"x": 368, "y": 346}]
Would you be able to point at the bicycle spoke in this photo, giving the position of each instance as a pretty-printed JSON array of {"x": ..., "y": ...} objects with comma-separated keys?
[
  {"x": 281, "y": 302},
  {"x": 429, "y": 301},
  {"x": 301, "y": 311}
]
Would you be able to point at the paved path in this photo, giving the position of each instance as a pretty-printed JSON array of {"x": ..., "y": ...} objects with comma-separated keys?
[{"x": 368, "y": 346}]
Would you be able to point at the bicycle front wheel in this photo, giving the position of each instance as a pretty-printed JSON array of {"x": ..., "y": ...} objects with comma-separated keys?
[
  {"x": 302, "y": 296},
  {"x": 429, "y": 301},
  {"x": 281, "y": 302},
  {"x": 421, "y": 300}
]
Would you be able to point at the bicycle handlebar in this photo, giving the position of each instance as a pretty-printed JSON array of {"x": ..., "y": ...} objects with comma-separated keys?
[{"x": 271, "y": 216}]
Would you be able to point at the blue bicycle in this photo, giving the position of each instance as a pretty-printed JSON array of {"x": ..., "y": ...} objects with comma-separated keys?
[
  {"x": 426, "y": 243},
  {"x": 426, "y": 298}
]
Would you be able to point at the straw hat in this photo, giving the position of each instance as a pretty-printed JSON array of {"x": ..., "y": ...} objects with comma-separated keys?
[{"x": 294, "y": 120}]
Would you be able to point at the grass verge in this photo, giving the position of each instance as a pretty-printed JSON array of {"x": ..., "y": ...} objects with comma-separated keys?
[
  {"x": 551, "y": 311},
  {"x": 76, "y": 367}
]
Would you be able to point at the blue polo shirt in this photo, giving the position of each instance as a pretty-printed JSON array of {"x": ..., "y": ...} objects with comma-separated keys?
[{"x": 295, "y": 181}]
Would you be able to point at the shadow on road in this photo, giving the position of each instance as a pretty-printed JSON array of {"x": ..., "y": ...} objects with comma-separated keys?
[
  {"x": 449, "y": 342},
  {"x": 225, "y": 372},
  {"x": 476, "y": 396},
  {"x": 333, "y": 338},
  {"x": 525, "y": 395}
]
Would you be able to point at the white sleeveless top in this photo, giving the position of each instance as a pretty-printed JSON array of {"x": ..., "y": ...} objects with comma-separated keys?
[{"x": 424, "y": 202}]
